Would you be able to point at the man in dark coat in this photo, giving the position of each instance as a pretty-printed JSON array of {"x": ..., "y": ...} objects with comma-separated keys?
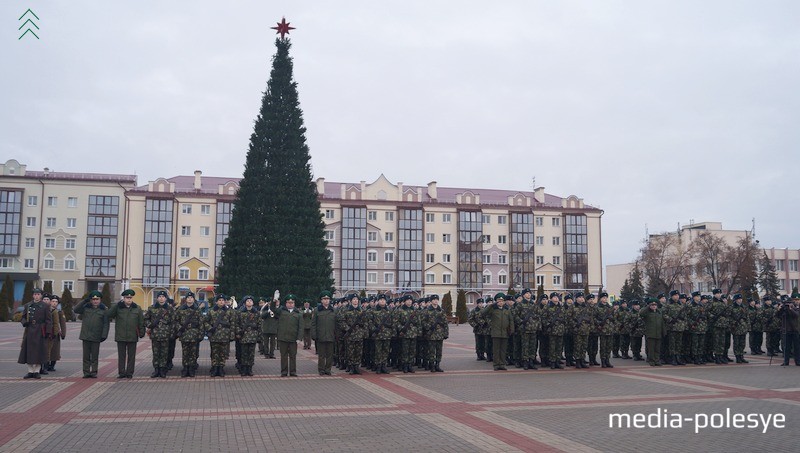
[
  {"x": 654, "y": 328},
  {"x": 94, "y": 330},
  {"x": 129, "y": 328},
  {"x": 502, "y": 325},
  {"x": 323, "y": 330},
  {"x": 290, "y": 331},
  {"x": 38, "y": 323}
]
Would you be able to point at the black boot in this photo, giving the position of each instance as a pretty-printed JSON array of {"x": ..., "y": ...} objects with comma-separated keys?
[
  {"x": 185, "y": 372},
  {"x": 593, "y": 361},
  {"x": 532, "y": 365},
  {"x": 674, "y": 361},
  {"x": 481, "y": 357},
  {"x": 163, "y": 373},
  {"x": 526, "y": 365},
  {"x": 156, "y": 372},
  {"x": 558, "y": 365},
  {"x": 741, "y": 358},
  {"x": 437, "y": 368},
  {"x": 411, "y": 369}
]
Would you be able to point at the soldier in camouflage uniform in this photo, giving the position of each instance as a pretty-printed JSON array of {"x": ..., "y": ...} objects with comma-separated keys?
[
  {"x": 740, "y": 325},
  {"x": 675, "y": 318},
  {"x": 408, "y": 328},
  {"x": 219, "y": 325},
  {"x": 421, "y": 357},
  {"x": 355, "y": 325},
  {"x": 635, "y": 326},
  {"x": 383, "y": 329},
  {"x": 159, "y": 321},
  {"x": 569, "y": 329},
  {"x": 341, "y": 351},
  {"x": 697, "y": 326},
  {"x": 248, "y": 330},
  {"x": 772, "y": 326},
  {"x": 756, "y": 334},
  {"x": 437, "y": 330},
  {"x": 555, "y": 320},
  {"x": 622, "y": 315},
  {"x": 719, "y": 313},
  {"x": 486, "y": 330},
  {"x": 528, "y": 322},
  {"x": 593, "y": 342},
  {"x": 615, "y": 337},
  {"x": 544, "y": 337},
  {"x": 189, "y": 323},
  {"x": 584, "y": 323},
  {"x": 515, "y": 341},
  {"x": 475, "y": 322},
  {"x": 604, "y": 317}
]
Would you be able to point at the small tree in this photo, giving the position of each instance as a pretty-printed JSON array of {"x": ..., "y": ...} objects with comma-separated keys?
[
  {"x": 6, "y": 298},
  {"x": 461, "y": 306},
  {"x": 768, "y": 278},
  {"x": 106, "y": 292},
  {"x": 636, "y": 285},
  {"x": 27, "y": 293},
  {"x": 362, "y": 294},
  {"x": 48, "y": 287},
  {"x": 625, "y": 292},
  {"x": 67, "y": 303},
  {"x": 511, "y": 291},
  {"x": 447, "y": 304},
  {"x": 539, "y": 292}
]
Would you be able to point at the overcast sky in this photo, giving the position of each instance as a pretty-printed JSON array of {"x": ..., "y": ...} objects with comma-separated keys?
[{"x": 655, "y": 112}]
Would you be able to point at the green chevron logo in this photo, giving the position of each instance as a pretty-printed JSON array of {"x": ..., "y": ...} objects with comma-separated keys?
[{"x": 30, "y": 23}]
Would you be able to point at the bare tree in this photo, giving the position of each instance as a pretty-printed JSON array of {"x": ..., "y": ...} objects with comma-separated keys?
[
  {"x": 742, "y": 273},
  {"x": 712, "y": 253},
  {"x": 666, "y": 260}
]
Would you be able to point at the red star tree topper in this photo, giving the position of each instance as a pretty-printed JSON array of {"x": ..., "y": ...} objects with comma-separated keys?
[{"x": 283, "y": 28}]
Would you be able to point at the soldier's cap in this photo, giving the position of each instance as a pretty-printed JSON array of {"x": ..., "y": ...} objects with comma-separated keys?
[
  {"x": 602, "y": 295},
  {"x": 737, "y": 296},
  {"x": 554, "y": 294},
  {"x": 661, "y": 296},
  {"x": 306, "y": 300},
  {"x": 590, "y": 296},
  {"x": 683, "y": 296},
  {"x": 325, "y": 294},
  {"x": 652, "y": 302},
  {"x": 220, "y": 296},
  {"x": 244, "y": 299},
  {"x": 499, "y": 296},
  {"x": 380, "y": 296},
  {"x": 479, "y": 301},
  {"x": 750, "y": 299},
  {"x": 716, "y": 291},
  {"x": 526, "y": 290},
  {"x": 579, "y": 294},
  {"x": 489, "y": 299},
  {"x": 696, "y": 293},
  {"x": 433, "y": 296},
  {"x": 704, "y": 297},
  {"x": 518, "y": 296},
  {"x": 364, "y": 300},
  {"x": 674, "y": 292},
  {"x": 162, "y": 293},
  {"x": 635, "y": 302},
  {"x": 55, "y": 297},
  {"x": 94, "y": 294},
  {"x": 45, "y": 295},
  {"x": 623, "y": 301},
  {"x": 289, "y": 297},
  {"x": 371, "y": 298},
  {"x": 795, "y": 295},
  {"x": 567, "y": 296},
  {"x": 189, "y": 294},
  {"x": 408, "y": 297},
  {"x": 262, "y": 298},
  {"x": 543, "y": 297},
  {"x": 37, "y": 290},
  {"x": 128, "y": 292}
]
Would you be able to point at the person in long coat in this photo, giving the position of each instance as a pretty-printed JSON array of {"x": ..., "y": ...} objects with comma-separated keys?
[
  {"x": 38, "y": 324},
  {"x": 59, "y": 332}
]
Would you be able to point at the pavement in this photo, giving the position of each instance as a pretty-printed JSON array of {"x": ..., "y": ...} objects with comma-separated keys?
[{"x": 468, "y": 408}]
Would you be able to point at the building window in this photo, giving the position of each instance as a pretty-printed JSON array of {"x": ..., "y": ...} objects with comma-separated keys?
[
  {"x": 30, "y": 243},
  {"x": 502, "y": 279},
  {"x": 782, "y": 284},
  {"x": 793, "y": 283},
  {"x": 67, "y": 284},
  {"x": 556, "y": 221},
  {"x": 485, "y": 218},
  {"x": 186, "y": 209},
  {"x": 330, "y": 235},
  {"x": 539, "y": 260},
  {"x": 778, "y": 264},
  {"x": 502, "y": 239},
  {"x": 388, "y": 256},
  {"x": 429, "y": 238},
  {"x": 157, "y": 260},
  {"x": 388, "y": 216},
  {"x": 205, "y": 231},
  {"x": 793, "y": 267},
  {"x": 186, "y": 230},
  {"x": 205, "y": 209},
  {"x": 49, "y": 243},
  {"x": 446, "y": 218},
  {"x": 430, "y": 278},
  {"x": 446, "y": 237},
  {"x": 372, "y": 256},
  {"x": 409, "y": 249},
  {"x": 447, "y": 278},
  {"x": 486, "y": 239},
  {"x": 487, "y": 279},
  {"x": 502, "y": 220},
  {"x": 30, "y": 221},
  {"x": 487, "y": 259},
  {"x": 51, "y": 222},
  {"x": 388, "y": 236},
  {"x": 202, "y": 274},
  {"x": 69, "y": 264},
  {"x": 49, "y": 262},
  {"x": 430, "y": 258},
  {"x": 10, "y": 216},
  {"x": 330, "y": 214},
  {"x": 470, "y": 251},
  {"x": 540, "y": 280},
  {"x": 372, "y": 215},
  {"x": 556, "y": 240},
  {"x": 557, "y": 260},
  {"x": 28, "y": 263},
  {"x": 224, "y": 211},
  {"x": 52, "y": 202},
  {"x": 354, "y": 248},
  {"x": 388, "y": 278},
  {"x": 69, "y": 244},
  {"x": 185, "y": 252},
  {"x": 502, "y": 258},
  {"x": 6, "y": 263},
  {"x": 72, "y": 202},
  {"x": 183, "y": 273},
  {"x": 33, "y": 200},
  {"x": 576, "y": 251},
  {"x": 539, "y": 240},
  {"x": 539, "y": 221},
  {"x": 446, "y": 258},
  {"x": 556, "y": 280},
  {"x": 430, "y": 217},
  {"x": 372, "y": 277},
  {"x": 203, "y": 252},
  {"x": 372, "y": 236},
  {"x": 72, "y": 223}
]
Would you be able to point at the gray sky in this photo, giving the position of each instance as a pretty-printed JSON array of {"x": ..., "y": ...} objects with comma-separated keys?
[{"x": 656, "y": 112}]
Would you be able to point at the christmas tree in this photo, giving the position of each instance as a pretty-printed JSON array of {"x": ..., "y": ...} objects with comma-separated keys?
[{"x": 276, "y": 236}]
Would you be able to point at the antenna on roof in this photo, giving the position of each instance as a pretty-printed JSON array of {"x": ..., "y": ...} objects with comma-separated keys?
[
  {"x": 533, "y": 184},
  {"x": 753, "y": 229}
]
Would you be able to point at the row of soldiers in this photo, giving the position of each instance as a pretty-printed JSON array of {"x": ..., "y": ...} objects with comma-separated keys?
[{"x": 512, "y": 329}]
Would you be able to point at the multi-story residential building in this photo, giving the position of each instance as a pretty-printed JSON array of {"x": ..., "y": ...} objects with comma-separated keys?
[{"x": 65, "y": 228}]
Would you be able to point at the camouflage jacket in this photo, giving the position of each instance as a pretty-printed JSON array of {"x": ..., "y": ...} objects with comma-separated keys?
[
  {"x": 756, "y": 319},
  {"x": 675, "y": 316},
  {"x": 621, "y": 320},
  {"x": 604, "y": 317},
  {"x": 771, "y": 322},
  {"x": 554, "y": 319},
  {"x": 473, "y": 320},
  {"x": 408, "y": 322},
  {"x": 189, "y": 323},
  {"x": 355, "y": 324},
  {"x": 634, "y": 323},
  {"x": 435, "y": 322},
  {"x": 584, "y": 319},
  {"x": 159, "y": 321},
  {"x": 382, "y": 324},
  {"x": 739, "y": 319},
  {"x": 220, "y": 325},
  {"x": 527, "y": 318},
  {"x": 719, "y": 314},
  {"x": 248, "y": 326},
  {"x": 569, "y": 318},
  {"x": 697, "y": 318}
]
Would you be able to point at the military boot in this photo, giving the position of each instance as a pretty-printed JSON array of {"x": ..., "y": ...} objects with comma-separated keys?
[
  {"x": 156, "y": 372},
  {"x": 625, "y": 355},
  {"x": 222, "y": 370},
  {"x": 742, "y": 360},
  {"x": 616, "y": 355},
  {"x": 593, "y": 361},
  {"x": 680, "y": 360},
  {"x": 608, "y": 364},
  {"x": 411, "y": 369},
  {"x": 481, "y": 357},
  {"x": 526, "y": 365},
  {"x": 437, "y": 368},
  {"x": 43, "y": 370},
  {"x": 717, "y": 360},
  {"x": 185, "y": 372},
  {"x": 532, "y": 364},
  {"x": 674, "y": 361},
  {"x": 192, "y": 370}
]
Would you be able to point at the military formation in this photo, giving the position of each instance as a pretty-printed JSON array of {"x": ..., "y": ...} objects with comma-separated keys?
[{"x": 571, "y": 329}]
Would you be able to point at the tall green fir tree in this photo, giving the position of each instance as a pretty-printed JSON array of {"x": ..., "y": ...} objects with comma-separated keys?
[
  {"x": 67, "y": 304},
  {"x": 27, "y": 292},
  {"x": 768, "y": 277},
  {"x": 48, "y": 287},
  {"x": 625, "y": 292},
  {"x": 6, "y": 298},
  {"x": 539, "y": 292},
  {"x": 276, "y": 238},
  {"x": 461, "y": 306},
  {"x": 636, "y": 285},
  {"x": 106, "y": 293}
]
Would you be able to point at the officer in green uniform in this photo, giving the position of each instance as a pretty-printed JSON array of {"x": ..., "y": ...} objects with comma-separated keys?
[
  {"x": 606, "y": 325},
  {"x": 323, "y": 332},
  {"x": 129, "y": 328},
  {"x": 307, "y": 315},
  {"x": 290, "y": 331},
  {"x": 219, "y": 325},
  {"x": 189, "y": 323},
  {"x": 719, "y": 313},
  {"x": 94, "y": 330},
  {"x": 159, "y": 320},
  {"x": 654, "y": 332},
  {"x": 248, "y": 330},
  {"x": 502, "y": 325}
]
